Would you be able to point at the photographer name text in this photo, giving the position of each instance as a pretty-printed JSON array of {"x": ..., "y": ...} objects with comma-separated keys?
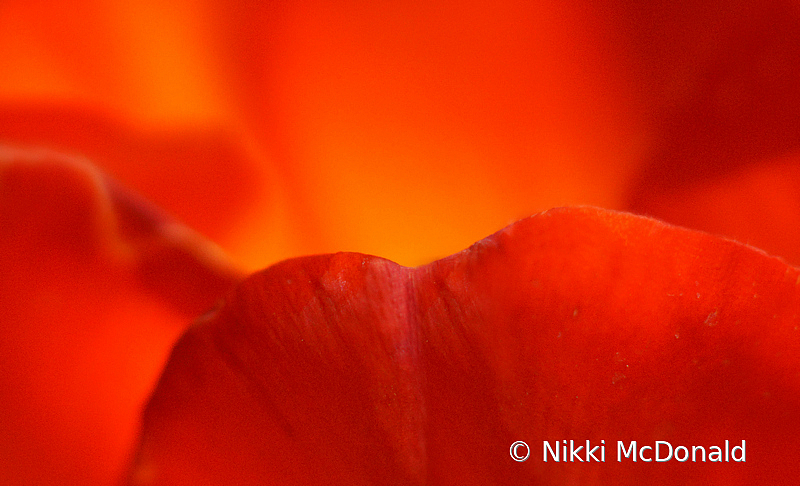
[{"x": 658, "y": 451}]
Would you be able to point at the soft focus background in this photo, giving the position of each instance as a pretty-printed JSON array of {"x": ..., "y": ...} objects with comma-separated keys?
[{"x": 279, "y": 129}]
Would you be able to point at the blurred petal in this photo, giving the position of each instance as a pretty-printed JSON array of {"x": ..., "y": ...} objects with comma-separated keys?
[
  {"x": 573, "y": 324},
  {"x": 381, "y": 123},
  {"x": 726, "y": 143},
  {"x": 204, "y": 177},
  {"x": 95, "y": 285}
]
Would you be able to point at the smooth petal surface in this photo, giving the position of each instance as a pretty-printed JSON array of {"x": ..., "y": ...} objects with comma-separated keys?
[
  {"x": 579, "y": 324},
  {"x": 95, "y": 286}
]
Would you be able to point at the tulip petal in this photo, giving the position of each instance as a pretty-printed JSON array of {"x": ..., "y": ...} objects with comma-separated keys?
[
  {"x": 575, "y": 324},
  {"x": 95, "y": 285}
]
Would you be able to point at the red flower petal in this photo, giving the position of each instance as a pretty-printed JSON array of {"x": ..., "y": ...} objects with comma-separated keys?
[
  {"x": 577, "y": 324},
  {"x": 95, "y": 285}
]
